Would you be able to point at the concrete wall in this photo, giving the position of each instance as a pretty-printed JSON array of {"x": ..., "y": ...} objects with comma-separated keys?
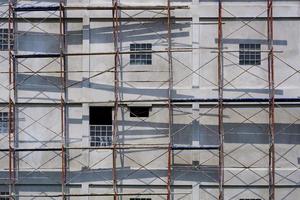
[{"x": 194, "y": 173}]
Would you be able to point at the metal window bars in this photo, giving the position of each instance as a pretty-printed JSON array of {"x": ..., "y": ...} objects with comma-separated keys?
[
  {"x": 4, "y": 122},
  {"x": 100, "y": 135},
  {"x": 140, "y": 58},
  {"x": 4, "y": 39},
  {"x": 250, "y": 54}
]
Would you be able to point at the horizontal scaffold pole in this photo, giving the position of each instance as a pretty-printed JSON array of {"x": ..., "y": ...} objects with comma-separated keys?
[
  {"x": 141, "y": 147},
  {"x": 54, "y": 7}
]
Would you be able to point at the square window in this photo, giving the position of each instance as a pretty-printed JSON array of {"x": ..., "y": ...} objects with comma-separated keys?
[
  {"x": 139, "y": 58},
  {"x": 250, "y": 54}
]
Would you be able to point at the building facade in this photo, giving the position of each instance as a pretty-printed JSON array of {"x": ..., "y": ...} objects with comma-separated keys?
[{"x": 150, "y": 100}]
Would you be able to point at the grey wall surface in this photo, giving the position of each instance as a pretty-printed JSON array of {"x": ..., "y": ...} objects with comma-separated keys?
[{"x": 194, "y": 172}]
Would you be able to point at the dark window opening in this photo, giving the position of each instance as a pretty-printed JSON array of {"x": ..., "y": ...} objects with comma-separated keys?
[
  {"x": 250, "y": 54},
  {"x": 4, "y": 39},
  {"x": 139, "y": 111},
  {"x": 100, "y": 126},
  {"x": 100, "y": 116},
  {"x": 140, "y": 198},
  {"x": 250, "y": 199},
  {"x": 140, "y": 58},
  {"x": 4, "y": 195}
]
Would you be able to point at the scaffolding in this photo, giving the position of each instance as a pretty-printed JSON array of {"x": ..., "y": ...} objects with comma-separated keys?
[
  {"x": 62, "y": 105},
  {"x": 60, "y": 10}
]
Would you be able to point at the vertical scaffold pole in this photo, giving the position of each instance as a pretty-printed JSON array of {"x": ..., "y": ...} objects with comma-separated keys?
[
  {"x": 116, "y": 29},
  {"x": 170, "y": 88},
  {"x": 271, "y": 101},
  {"x": 220, "y": 103},
  {"x": 63, "y": 98},
  {"x": 11, "y": 101}
]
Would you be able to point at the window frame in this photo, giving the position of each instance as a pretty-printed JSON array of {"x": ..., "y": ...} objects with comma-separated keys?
[
  {"x": 4, "y": 122},
  {"x": 100, "y": 135},
  {"x": 249, "y": 54},
  {"x": 140, "y": 58},
  {"x": 100, "y": 126},
  {"x": 6, "y": 193},
  {"x": 4, "y": 39}
]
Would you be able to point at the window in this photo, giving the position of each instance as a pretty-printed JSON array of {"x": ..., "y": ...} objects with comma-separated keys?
[
  {"x": 140, "y": 199},
  {"x": 101, "y": 135},
  {"x": 100, "y": 126},
  {"x": 140, "y": 58},
  {"x": 139, "y": 111},
  {"x": 2, "y": 194},
  {"x": 3, "y": 122},
  {"x": 4, "y": 40},
  {"x": 250, "y": 54}
]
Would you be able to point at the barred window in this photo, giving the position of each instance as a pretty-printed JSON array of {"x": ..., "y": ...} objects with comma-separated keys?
[
  {"x": 4, "y": 40},
  {"x": 4, "y": 195},
  {"x": 100, "y": 135},
  {"x": 140, "y": 58},
  {"x": 250, "y": 54},
  {"x": 3, "y": 122}
]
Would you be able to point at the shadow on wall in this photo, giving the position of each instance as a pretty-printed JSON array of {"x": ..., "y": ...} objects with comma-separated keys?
[
  {"x": 251, "y": 41},
  {"x": 46, "y": 42},
  {"x": 257, "y": 91},
  {"x": 139, "y": 32},
  {"x": 38, "y": 83},
  {"x": 246, "y": 133},
  {"x": 180, "y": 173},
  {"x": 49, "y": 42},
  {"x": 52, "y": 84}
]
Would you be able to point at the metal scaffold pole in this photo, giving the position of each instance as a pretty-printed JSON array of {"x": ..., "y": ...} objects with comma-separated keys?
[
  {"x": 63, "y": 98},
  {"x": 220, "y": 102},
  {"x": 116, "y": 30},
  {"x": 170, "y": 108},
  {"x": 12, "y": 101},
  {"x": 271, "y": 101}
]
